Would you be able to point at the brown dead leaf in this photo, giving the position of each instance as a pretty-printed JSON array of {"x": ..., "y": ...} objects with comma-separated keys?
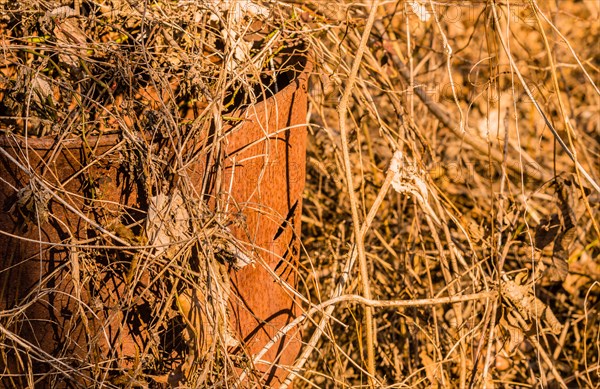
[{"x": 528, "y": 306}]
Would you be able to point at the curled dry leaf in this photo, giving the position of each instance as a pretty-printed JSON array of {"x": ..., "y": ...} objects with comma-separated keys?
[
  {"x": 232, "y": 253},
  {"x": 32, "y": 204},
  {"x": 167, "y": 222},
  {"x": 420, "y": 10},
  {"x": 559, "y": 228},
  {"x": 70, "y": 38},
  {"x": 566, "y": 236},
  {"x": 42, "y": 91},
  {"x": 528, "y": 306},
  {"x": 516, "y": 334},
  {"x": 409, "y": 179},
  {"x": 232, "y": 32}
]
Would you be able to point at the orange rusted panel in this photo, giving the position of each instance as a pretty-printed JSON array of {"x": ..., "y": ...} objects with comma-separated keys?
[{"x": 267, "y": 185}]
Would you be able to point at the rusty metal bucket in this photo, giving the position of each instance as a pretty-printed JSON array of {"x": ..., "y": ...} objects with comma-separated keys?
[
  {"x": 58, "y": 196},
  {"x": 39, "y": 269}
]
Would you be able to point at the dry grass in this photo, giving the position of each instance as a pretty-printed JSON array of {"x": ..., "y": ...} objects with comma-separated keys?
[
  {"x": 477, "y": 195},
  {"x": 452, "y": 179}
]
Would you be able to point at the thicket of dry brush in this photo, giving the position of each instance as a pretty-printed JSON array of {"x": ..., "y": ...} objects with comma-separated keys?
[
  {"x": 450, "y": 221},
  {"x": 490, "y": 200}
]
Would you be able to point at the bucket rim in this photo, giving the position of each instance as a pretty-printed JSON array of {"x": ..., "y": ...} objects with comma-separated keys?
[{"x": 9, "y": 139}]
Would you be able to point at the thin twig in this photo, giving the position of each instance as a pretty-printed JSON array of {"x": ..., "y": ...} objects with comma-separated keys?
[
  {"x": 359, "y": 240},
  {"x": 371, "y": 303}
]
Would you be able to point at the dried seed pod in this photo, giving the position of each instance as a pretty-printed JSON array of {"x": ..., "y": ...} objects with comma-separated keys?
[{"x": 503, "y": 363}]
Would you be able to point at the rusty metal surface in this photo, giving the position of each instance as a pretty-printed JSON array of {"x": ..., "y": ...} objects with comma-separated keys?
[
  {"x": 268, "y": 192},
  {"x": 265, "y": 169}
]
